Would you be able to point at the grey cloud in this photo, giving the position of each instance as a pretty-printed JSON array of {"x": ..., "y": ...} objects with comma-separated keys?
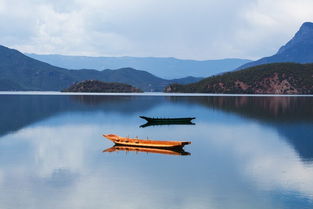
[{"x": 185, "y": 29}]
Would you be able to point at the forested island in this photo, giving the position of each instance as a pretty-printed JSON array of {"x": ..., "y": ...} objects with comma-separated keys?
[{"x": 101, "y": 87}]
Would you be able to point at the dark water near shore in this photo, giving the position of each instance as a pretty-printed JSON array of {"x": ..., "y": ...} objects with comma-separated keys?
[{"x": 246, "y": 152}]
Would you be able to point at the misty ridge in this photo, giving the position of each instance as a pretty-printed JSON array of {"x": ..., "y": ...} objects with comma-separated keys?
[{"x": 167, "y": 68}]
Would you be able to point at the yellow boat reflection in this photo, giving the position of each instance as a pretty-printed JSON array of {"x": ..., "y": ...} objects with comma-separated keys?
[{"x": 163, "y": 151}]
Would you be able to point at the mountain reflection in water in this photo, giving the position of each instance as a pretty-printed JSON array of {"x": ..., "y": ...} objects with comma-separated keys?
[
  {"x": 291, "y": 116},
  {"x": 247, "y": 152},
  {"x": 266, "y": 108}
]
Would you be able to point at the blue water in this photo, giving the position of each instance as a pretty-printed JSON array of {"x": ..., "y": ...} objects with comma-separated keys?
[{"x": 246, "y": 152}]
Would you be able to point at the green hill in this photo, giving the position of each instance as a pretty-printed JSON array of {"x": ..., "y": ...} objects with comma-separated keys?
[
  {"x": 8, "y": 84},
  {"x": 278, "y": 78},
  {"x": 19, "y": 72},
  {"x": 99, "y": 86}
]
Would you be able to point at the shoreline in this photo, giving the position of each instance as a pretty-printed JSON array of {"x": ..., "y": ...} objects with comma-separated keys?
[{"x": 57, "y": 93}]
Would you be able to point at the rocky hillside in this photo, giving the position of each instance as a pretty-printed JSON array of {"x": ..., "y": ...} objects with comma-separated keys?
[
  {"x": 299, "y": 49},
  {"x": 99, "y": 86},
  {"x": 279, "y": 78}
]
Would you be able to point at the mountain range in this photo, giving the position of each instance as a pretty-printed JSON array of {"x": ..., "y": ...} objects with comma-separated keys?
[
  {"x": 299, "y": 49},
  {"x": 281, "y": 73},
  {"x": 20, "y": 72},
  {"x": 168, "y": 68}
]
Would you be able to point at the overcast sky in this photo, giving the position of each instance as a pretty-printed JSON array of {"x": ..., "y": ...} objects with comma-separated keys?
[{"x": 189, "y": 29}]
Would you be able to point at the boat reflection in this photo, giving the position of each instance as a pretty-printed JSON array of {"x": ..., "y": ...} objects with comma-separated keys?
[
  {"x": 165, "y": 123},
  {"x": 164, "y": 151}
]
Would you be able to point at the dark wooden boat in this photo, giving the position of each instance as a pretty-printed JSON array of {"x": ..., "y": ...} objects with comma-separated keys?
[
  {"x": 167, "y": 120},
  {"x": 166, "y": 123},
  {"x": 145, "y": 142},
  {"x": 163, "y": 151}
]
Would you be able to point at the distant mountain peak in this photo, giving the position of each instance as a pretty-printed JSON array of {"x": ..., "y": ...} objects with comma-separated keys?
[
  {"x": 298, "y": 50},
  {"x": 303, "y": 36},
  {"x": 306, "y": 25}
]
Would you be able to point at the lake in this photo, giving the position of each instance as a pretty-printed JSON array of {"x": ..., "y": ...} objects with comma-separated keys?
[{"x": 246, "y": 152}]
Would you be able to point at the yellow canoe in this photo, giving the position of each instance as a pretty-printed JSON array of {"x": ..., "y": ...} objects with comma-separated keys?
[{"x": 144, "y": 142}]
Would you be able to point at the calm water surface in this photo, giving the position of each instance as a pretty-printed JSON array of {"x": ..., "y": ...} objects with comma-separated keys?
[{"x": 246, "y": 152}]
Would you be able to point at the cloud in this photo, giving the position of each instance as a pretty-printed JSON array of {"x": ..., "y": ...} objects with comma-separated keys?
[{"x": 198, "y": 29}]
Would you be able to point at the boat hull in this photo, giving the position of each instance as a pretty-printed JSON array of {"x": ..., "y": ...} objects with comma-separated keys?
[
  {"x": 145, "y": 143},
  {"x": 168, "y": 120}
]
